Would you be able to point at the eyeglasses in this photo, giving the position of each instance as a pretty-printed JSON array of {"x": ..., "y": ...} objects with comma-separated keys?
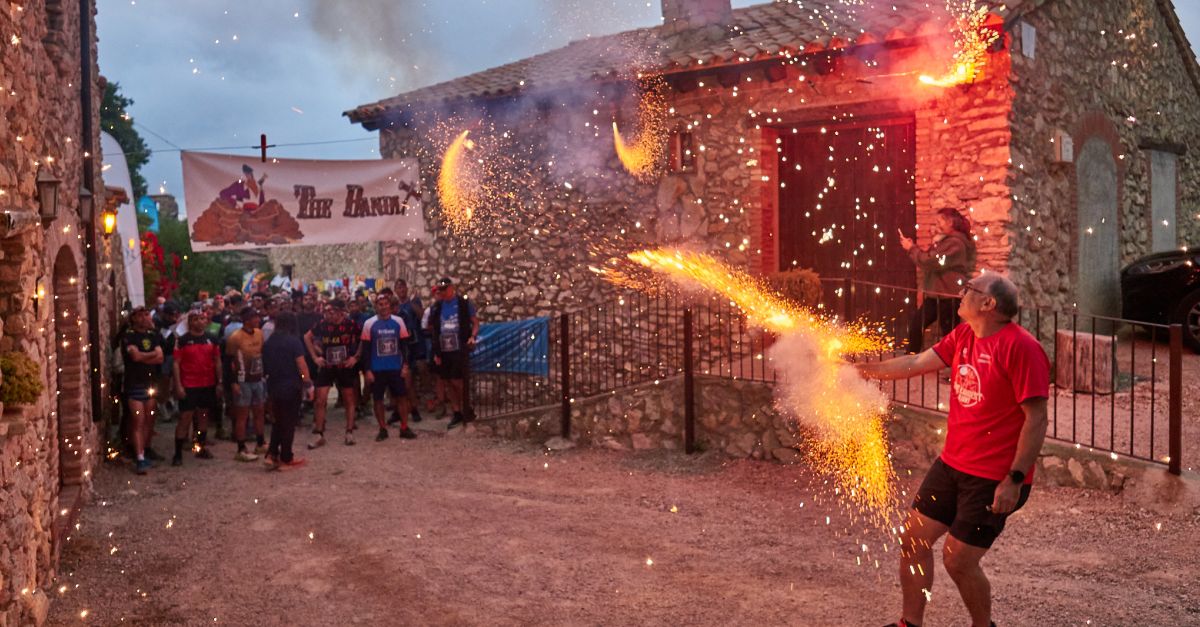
[{"x": 967, "y": 287}]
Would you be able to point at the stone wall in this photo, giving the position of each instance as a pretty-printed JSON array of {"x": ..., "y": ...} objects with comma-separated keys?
[
  {"x": 582, "y": 207},
  {"x": 1113, "y": 71},
  {"x": 739, "y": 419},
  {"x": 48, "y": 448},
  {"x": 335, "y": 261}
]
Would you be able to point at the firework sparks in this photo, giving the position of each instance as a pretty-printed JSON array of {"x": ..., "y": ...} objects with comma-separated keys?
[
  {"x": 843, "y": 412},
  {"x": 458, "y": 188},
  {"x": 971, "y": 43},
  {"x": 643, "y": 156}
]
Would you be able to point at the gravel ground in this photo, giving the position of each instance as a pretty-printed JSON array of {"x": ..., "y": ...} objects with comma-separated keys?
[{"x": 463, "y": 530}]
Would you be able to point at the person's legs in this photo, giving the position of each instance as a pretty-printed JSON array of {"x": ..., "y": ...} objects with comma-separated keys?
[
  {"x": 149, "y": 414},
  {"x": 350, "y": 400},
  {"x": 287, "y": 416},
  {"x": 276, "y": 429},
  {"x": 137, "y": 431},
  {"x": 202, "y": 427},
  {"x": 183, "y": 431},
  {"x": 259, "y": 410},
  {"x": 320, "y": 407},
  {"x": 916, "y": 563},
  {"x": 454, "y": 392},
  {"x": 962, "y": 563}
]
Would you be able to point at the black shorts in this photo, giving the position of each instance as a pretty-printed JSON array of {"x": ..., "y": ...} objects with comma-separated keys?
[
  {"x": 961, "y": 501},
  {"x": 453, "y": 366},
  {"x": 388, "y": 381},
  {"x": 198, "y": 398},
  {"x": 341, "y": 378}
]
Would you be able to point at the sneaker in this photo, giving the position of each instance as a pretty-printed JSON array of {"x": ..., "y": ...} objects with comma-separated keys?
[
  {"x": 454, "y": 422},
  {"x": 415, "y": 416},
  {"x": 295, "y": 463},
  {"x": 245, "y": 456},
  {"x": 142, "y": 466},
  {"x": 270, "y": 460},
  {"x": 261, "y": 449},
  {"x": 177, "y": 460},
  {"x": 152, "y": 455},
  {"x": 204, "y": 453},
  {"x": 349, "y": 439},
  {"x": 383, "y": 435},
  {"x": 407, "y": 434},
  {"x": 317, "y": 442}
]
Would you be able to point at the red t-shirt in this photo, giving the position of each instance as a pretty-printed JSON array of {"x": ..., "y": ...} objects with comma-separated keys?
[
  {"x": 992, "y": 377},
  {"x": 197, "y": 356}
]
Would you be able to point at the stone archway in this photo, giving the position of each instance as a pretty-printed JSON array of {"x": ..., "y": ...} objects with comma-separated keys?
[
  {"x": 69, "y": 360},
  {"x": 1098, "y": 288}
]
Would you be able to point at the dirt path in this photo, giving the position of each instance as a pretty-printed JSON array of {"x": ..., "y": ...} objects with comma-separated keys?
[{"x": 462, "y": 530}]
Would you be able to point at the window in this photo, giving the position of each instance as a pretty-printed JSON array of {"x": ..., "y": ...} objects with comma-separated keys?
[
  {"x": 1164, "y": 167},
  {"x": 683, "y": 151}
]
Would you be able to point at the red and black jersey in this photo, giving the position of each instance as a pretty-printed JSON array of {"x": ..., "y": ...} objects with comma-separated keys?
[
  {"x": 337, "y": 342},
  {"x": 197, "y": 356}
]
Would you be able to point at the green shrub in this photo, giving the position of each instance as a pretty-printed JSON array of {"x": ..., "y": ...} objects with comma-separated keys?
[
  {"x": 801, "y": 285},
  {"x": 22, "y": 383}
]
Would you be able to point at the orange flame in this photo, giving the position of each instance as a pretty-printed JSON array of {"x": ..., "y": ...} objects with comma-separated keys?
[
  {"x": 971, "y": 43},
  {"x": 843, "y": 412},
  {"x": 643, "y": 156},
  {"x": 458, "y": 188}
]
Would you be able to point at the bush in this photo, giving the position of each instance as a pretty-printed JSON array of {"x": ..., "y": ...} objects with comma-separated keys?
[
  {"x": 802, "y": 286},
  {"x": 22, "y": 382}
]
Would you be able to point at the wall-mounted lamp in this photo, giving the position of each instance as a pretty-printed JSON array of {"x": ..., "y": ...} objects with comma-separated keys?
[
  {"x": 47, "y": 188},
  {"x": 39, "y": 294},
  {"x": 108, "y": 220},
  {"x": 87, "y": 207}
]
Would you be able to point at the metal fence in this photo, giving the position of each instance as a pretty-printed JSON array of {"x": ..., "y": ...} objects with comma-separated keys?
[{"x": 1115, "y": 386}]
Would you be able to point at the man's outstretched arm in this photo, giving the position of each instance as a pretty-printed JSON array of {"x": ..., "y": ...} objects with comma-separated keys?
[{"x": 902, "y": 367}]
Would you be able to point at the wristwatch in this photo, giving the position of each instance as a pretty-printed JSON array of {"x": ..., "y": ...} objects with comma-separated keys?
[{"x": 1017, "y": 476}]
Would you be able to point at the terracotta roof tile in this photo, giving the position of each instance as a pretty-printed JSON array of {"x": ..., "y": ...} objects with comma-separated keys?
[{"x": 755, "y": 32}]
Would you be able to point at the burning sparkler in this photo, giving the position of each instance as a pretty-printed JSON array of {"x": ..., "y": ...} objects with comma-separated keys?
[
  {"x": 843, "y": 413},
  {"x": 458, "y": 189},
  {"x": 643, "y": 155},
  {"x": 971, "y": 43}
]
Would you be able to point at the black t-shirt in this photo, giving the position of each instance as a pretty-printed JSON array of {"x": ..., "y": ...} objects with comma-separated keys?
[
  {"x": 337, "y": 342},
  {"x": 306, "y": 320},
  {"x": 279, "y": 364},
  {"x": 139, "y": 375}
]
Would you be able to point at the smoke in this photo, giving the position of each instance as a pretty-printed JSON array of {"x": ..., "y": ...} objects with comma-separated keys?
[{"x": 406, "y": 44}]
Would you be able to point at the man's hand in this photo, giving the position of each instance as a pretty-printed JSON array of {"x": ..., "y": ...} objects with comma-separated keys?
[
  {"x": 320, "y": 361},
  {"x": 1006, "y": 496},
  {"x": 179, "y": 391},
  {"x": 350, "y": 363},
  {"x": 370, "y": 377},
  {"x": 471, "y": 342},
  {"x": 437, "y": 360},
  {"x": 905, "y": 242}
]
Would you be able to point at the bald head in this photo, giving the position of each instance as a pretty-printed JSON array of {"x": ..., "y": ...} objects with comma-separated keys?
[{"x": 1003, "y": 291}]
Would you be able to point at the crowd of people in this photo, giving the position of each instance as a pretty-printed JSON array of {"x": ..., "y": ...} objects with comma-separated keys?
[{"x": 268, "y": 358}]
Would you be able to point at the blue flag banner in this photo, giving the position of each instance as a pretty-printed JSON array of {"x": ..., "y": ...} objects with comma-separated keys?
[{"x": 520, "y": 346}]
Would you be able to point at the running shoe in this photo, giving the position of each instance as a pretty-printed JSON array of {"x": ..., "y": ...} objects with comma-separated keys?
[
  {"x": 142, "y": 466},
  {"x": 383, "y": 435},
  {"x": 454, "y": 422},
  {"x": 261, "y": 449},
  {"x": 295, "y": 463},
  {"x": 317, "y": 442},
  {"x": 415, "y": 416},
  {"x": 408, "y": 434},
  {"x": 204, "y": 453},
  {"x": 245, "y": 456},
  {"x": 349, "y": 439},
  {"x": 177, "y": 460}
]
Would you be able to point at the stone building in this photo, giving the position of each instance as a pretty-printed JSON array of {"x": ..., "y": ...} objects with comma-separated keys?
[
  {"x": 49, "y": 448},
  {"x": 800, "y": 136}
]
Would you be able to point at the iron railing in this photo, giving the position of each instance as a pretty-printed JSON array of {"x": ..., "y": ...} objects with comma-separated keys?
[{"x": 1119, "y": 407}]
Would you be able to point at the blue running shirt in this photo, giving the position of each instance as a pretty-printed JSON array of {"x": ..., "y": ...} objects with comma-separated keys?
[{"x": 383, "y": 339}]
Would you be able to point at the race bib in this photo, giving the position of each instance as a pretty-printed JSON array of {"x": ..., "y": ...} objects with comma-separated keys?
[
  {"x": 387, "y": 347},
  {"x": 335, "y": 355},
  {"x": 448, "y": 342}
]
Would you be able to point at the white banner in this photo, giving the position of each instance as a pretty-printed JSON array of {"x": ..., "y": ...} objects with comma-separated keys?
[
  {"x": 116, "y": 173},
  {"x": 238, "y": 202}
]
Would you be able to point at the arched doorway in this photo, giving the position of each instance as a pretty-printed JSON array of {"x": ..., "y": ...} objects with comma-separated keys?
[
  {"x": 69, "y": 361},
  {"x": 1097, "y": 271}
]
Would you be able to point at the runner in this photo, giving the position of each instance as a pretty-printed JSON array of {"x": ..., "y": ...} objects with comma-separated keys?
[
  {"x": 143, "y": 355},
  {"x": 249, "y": 396},
  {"x": 335, "y": 348},
  {"x": 455, "y": 328},
  {"x": 197, "y": 383},
  {"x": 386, "y": 366}
]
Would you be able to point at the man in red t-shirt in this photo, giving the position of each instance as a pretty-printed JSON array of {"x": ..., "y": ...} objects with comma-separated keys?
[
  {"x": 197, "y": 385},
  {"x": 997, "y": 423}
]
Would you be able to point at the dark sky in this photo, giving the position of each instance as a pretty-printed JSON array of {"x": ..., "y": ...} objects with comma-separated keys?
[{"x": 217, "y": 73}]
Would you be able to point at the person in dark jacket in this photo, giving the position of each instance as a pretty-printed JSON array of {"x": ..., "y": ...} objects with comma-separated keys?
[
  {"x": 455, "y": 328},
  {"x": 288, "y": 382},
  {"x": 945, "y": 266}
]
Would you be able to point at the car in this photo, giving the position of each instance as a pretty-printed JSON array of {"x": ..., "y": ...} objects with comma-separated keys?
[{"x": 1164, "y": 288}]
